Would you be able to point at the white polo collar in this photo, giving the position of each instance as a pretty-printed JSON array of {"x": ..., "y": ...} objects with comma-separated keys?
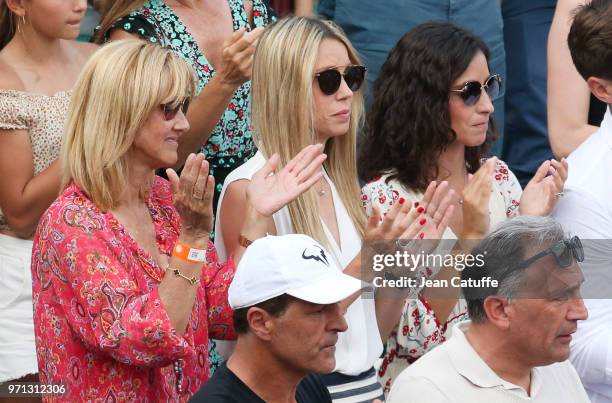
[{"x": 471, "y": 366}]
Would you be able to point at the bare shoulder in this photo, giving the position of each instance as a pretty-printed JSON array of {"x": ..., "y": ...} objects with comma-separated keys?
[{"x": 9, "y": 79}]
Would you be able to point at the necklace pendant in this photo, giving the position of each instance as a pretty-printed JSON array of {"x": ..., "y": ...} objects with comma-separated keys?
[{"x": 321, "y": 192}]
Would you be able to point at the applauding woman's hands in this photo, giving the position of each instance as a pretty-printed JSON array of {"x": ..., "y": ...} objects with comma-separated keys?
[
  {"x": 269, "y": 191},
  {"x": 428, "y": 219},
  {"x": 542, "y": 192},
  {"x": 476, "y": 197},
  {"x": 192, "y": 195}
]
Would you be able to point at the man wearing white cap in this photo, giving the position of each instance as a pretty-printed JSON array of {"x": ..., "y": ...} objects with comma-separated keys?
[{"x": 285, "y": 296}]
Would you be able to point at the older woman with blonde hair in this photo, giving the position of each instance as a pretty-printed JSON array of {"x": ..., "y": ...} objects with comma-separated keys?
[
  {"x": 306, "y": 90},
  {"x": 217, "y": 38},
  {"x": 127, "y": 285}
]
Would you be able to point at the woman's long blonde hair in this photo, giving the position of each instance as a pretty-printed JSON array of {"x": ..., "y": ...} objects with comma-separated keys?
[
  {"x": 118, "y": 89},
  {"x": 282, "y": 114},
  {"x": 111, "y": 11}
]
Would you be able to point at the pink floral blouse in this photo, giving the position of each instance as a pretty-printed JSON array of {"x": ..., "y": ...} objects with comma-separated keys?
[
  {"x": 419, "y": 329},
  {"x": 101, "y": 328}
]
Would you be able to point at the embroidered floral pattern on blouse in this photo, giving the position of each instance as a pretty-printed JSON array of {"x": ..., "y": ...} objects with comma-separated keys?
[
  {"x": 101, "y": 328},
  {"x": 419, "y": 329}
]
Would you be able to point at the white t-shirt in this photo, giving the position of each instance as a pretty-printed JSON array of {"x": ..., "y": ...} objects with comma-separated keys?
[
  {"x": 359, "y": 347},
  {"x": 454, "y": 372},
  {"x": 586, "y": 211}
]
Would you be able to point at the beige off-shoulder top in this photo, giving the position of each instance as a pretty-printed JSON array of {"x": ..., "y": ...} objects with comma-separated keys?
[{"x": 43, "y": 117}]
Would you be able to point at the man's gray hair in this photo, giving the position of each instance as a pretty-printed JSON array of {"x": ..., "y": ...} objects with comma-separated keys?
[{"x": 502, "y": 251}]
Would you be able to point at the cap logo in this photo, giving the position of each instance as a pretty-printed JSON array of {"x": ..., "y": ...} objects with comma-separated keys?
[{"x": 315, "y": 252}]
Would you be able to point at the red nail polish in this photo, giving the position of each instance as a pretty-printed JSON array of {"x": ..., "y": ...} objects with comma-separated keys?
[
  {"x": 401, "y": 200},
  {"x": 420, "y": 209},
  {"x": 423, "y": 221},
  {"x": 421, "y": 235},
  {"x": 416, "y": 204}
]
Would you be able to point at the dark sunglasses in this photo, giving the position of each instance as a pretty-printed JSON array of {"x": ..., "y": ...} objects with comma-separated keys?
[
  {"x": 170, "y": 110},
  {"x": 564, "y": 252},
  {"x": 330, "y": 80},
  {"x": 471, "y": 90}
]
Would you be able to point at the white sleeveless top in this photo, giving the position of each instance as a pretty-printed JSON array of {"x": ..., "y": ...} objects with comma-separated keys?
[{"x": 360, "y": 346}]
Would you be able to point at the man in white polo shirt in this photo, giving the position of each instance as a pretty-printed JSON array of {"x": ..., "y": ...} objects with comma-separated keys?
[
  {"x": 516, "y": 346},
  {"x": 586, "y": 207}
]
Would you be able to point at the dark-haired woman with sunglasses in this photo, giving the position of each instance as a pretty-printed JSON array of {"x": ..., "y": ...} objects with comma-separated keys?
[{"x": 431, "y": 121}]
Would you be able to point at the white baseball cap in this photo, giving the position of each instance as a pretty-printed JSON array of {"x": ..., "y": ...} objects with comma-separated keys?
[{"x": 289, "y": 264}]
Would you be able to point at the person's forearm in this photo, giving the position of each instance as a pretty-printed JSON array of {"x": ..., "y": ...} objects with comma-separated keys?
[
  {"x": 304, "y": 8},
  {"x": 255, "y": 226},
  {"x": 176, "y": 293},
  {"x": 389, "y": 307},
  {"x": 203, "y": 116},
  {"x": 37, "y": 195},
  {"x": 442, "y": 301},
  {"x": 565, "y": 138},
  {"x": 568, "y": 95}
]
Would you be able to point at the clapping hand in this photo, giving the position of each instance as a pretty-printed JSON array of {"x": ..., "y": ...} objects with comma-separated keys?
[
  {"x": 268, "y": 191},
  {"x": 237, "y": 57},
  {"x": 542, "y": 192},
  {"x": 476, "y": 197},
  {"x": 428, "y": 219},
  {"x": 192, "y": 195}
]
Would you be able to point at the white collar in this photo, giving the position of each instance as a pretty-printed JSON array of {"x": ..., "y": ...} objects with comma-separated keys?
[{"x": 471, "y": 366}]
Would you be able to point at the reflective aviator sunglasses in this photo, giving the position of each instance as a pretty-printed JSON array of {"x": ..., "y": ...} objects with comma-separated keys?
[
  {"x": 330, "y": 80},
  {"x": 471, "y": 90}
]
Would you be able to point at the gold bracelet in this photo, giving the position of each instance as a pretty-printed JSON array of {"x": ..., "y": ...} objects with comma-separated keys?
[{"x": 191, "y": 280}]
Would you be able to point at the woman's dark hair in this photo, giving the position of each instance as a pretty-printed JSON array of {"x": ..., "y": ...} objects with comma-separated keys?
[
  {"x": 8, "y": 24},
  {"x": 409, "y": 126}
]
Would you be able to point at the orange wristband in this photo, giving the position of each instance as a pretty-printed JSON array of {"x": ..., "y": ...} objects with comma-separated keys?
[{"x": 188, "y": 254}]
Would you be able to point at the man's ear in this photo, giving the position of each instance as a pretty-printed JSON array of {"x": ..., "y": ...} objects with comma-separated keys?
[
  {"x": 496, "y": 308},
  {"x": 601, "y": 88},
  {"x": 261, "y": 323}
]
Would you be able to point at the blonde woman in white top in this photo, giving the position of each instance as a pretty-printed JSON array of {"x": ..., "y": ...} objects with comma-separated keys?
[
  {"x": 39, "y": 63},
  {"x": 306, "y": 89}
]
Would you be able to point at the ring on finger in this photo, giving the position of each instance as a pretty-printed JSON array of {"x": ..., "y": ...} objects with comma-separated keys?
[
  {"x": 198, "y": 195},
  {"x": 559, "y": 195},
  {"x": 431, "y": 207}
]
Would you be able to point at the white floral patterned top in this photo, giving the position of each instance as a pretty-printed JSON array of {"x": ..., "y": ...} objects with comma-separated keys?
[{"x": 419, "y": 329}]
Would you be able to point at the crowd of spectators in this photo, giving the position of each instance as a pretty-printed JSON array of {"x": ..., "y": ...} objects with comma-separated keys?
[{"x": 192, "y": 190}]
